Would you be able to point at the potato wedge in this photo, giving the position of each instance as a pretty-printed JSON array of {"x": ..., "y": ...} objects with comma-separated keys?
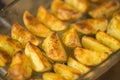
[
  {"x": 108, "y": 40},
  {"x": 81, "y": 5},
  {"x": 52, "y": 76},
  {"x": 35, "y": 26},
  {"x": 4, "y": 58},
  {"x": 91, "y": 26},
  {"x": 54, "y": 49},
  {"x": 77, "y": 65},
  {"x": 9, "y": 45},
  {"x": 67, "y": 72},
  {"x": 19, "y": 68},
  {"x": 39, "y": 63},
  {"x": 105, "y": 10},
  {"x": 70, "y": 38},
  {"x": 49, "y": 20},
  {"x": 93, "y": 44},
  {"x": 23, "y": 36},
  {"x": 113, "y": 28},
  {"x": 64, "y": 12},
  {"x": 89, "y": 57}
]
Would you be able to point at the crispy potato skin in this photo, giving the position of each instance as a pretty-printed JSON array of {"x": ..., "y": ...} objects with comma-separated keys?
[
  {"x": 49, "y": 20},
  {"x": 9, "y": 45},
  {"x": 38, "y": 62},
  {"x": 89, "y": 57},
  {"x": 108, "y": 40},
  {"x": 20, "y": 68},
  {"x": 105, "y": 10},
  {"x": 70, "y": 38},
  {"x": 77, "y": 65},
  {"x": 64, "y": 11},
  {"x": 35, "y": 26},
  {"x": 52, "y": 76},
  {"x": 93, "y": 44},
  {"x": 81, "y": 5},
  {"x": 67, "y": 72},
  {"x": 91, "y": 26},
  {"x": 23, "y": 36},
  {"x": 54, "y": 49}
]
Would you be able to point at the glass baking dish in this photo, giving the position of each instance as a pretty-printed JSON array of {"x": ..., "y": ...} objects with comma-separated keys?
[{"x": 14, "y": 13}]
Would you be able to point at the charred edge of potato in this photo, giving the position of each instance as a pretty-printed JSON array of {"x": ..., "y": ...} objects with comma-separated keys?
[
  {"x": 23, "y": 36},
  {"x": 35, "y": 26}
]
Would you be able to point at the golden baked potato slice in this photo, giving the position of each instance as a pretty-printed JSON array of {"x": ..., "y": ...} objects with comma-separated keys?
[
  {"x": 113, "y": 28},
  {"x": 93, "y": 44},
  {"x": 89, "y": 57},
  {"x": 23, "y": 36},
  {"x": 49, "y": 20},
  {"x": 19, "y": 68},
  {"x": 77, "y": 65},
  {"x": 39, "y": 63},
  {"x": 54, "y": 49},
  {"x": 81, "y": 5},
  {"x": 4, "y": 58},
  {"x": 9, "y": 45},
  {"x": 108, "y": 40},
  {"x": 64, "y": 12},
  {"x": 52, "y": 76},
  {"x": 67, "y": 72},
  {"x": 35, "y": 26},
  {"x": 70, "y": 38},
  {"x": 105, "y": 10},
  {"x": 91, "y": 26}
]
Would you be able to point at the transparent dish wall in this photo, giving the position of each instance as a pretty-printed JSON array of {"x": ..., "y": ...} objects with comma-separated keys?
[{"x": 14, "y": 13}]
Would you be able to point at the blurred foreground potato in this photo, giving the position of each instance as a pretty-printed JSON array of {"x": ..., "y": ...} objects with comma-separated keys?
[
  {"x": 108, "y": 40},
  {"x": 93, "y": 44},
  {"x": 70, "y": 38},
  {"x": 105, "y": 10},
  {"x": 52, "y": 76},
  {"x": 89, "y": 57},
  {"x": 81, "y": 5},
  {"x": 114, "y": 26},
  {"x": 91, "y": 26},
  {"x": 23, "y": 36},
  {"x": 34, "y": 26},
  {"x": 38, "y": 62},
  {"x": 49, "y": 20},
  {"x": 64, "y": 11},
  {"x": 9, "y": 45},
  {"x": 19, "y": 68},
  {"x": 67, "y": 72},
  {"x": 77, "y": 65}
]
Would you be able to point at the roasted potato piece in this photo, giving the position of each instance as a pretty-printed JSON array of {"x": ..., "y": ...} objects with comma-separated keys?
[
  {"x": 34, "y": 26},
  {"x": 98, "y": 1},
  {"x": 52, "y": 76},
  {"x": 23, "y": 36},
  {"x": 113, "y": 28},
  {"x": 93, "y": 44},
  {"x": 4, "y": 58},
  {"x": 81, "y": 5},
  {"x": 89, "y": 57},
  {"x": 70, "y": 38},
  {"x": 38, "y": 62},
  {"x": 91, "y": 26},
  {"x": 67, "y": 72},
  {"x": 54, "y": 49},
  {"x": 9, "y": 45},
  {"x": 49, "y": 20},
  {"x": 64, "y": 12},
  {"x": 105, "y": 10},
  {"x": 77, "y": 65},
  {"x": 108, "y": 40},
  {"x": 19, "y": 68}
]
